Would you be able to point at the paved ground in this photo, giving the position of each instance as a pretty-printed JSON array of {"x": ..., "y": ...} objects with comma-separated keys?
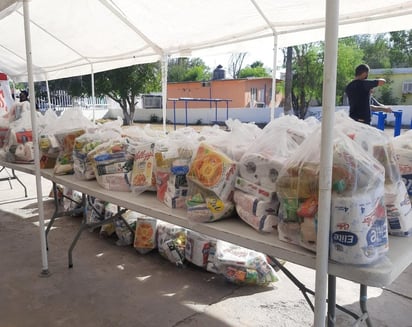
[{"x": 114, "y": 286}]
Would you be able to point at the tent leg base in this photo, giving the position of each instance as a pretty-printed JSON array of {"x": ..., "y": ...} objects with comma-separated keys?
[{"x": 45, "y": 273}]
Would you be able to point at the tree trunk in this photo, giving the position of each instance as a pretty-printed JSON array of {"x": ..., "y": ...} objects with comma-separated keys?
[{"x": 287, "y": 107}]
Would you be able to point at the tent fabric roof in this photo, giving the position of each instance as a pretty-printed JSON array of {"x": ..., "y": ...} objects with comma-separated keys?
[{"x": 71, "y": 37}]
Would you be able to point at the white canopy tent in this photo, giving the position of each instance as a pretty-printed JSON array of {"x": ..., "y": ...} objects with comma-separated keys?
[
  {"x": 77, "y": 37},
  {"x": 68, "y": 37}
]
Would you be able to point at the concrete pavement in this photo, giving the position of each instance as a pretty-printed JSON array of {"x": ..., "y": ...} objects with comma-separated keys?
[{"x": 115, "y": 286}]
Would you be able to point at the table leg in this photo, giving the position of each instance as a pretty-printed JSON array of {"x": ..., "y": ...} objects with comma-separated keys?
[
  {"x": 331, "y": 301},
  {"x": 86, "y": 225},
  {"x": 57, "y": 213},
  {"x": 18, "y": 179},
  {"x": 362, "y": 301}
]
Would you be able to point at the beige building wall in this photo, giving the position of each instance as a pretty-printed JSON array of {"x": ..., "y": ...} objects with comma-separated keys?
[{"x": 398, "y": 76}]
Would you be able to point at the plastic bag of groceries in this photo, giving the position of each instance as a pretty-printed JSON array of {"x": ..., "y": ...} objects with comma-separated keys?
[
  {"x": 380, "y": 146},
  {"x": 124, "y": 227},
  {"x": 243, "y": 266},
  {"x": 197, "y": 248},
  {"x": 403, "y": 150},
  {"x": 205, "y": 206},
  {"x": 211, "y": 181},
  {"x": 173, "y": 156},
  {"x": 70, "y": 125},
  {"x": 108, "y": 229},
  {"x": 214, "y": 171},
  {"x": 145, "y": 234},
  {"x": 171, "y": 242},
  {"x": 142, "y": 176},
  {"x": 261, "y": 163},
  {"x": 84, "y": 144},
  {"x": 18, "y": 141},
  {"x": 112, "y": 165},
  {"x": 235, "y": 140},
  {"x": 260, "y": 214},
  {"x": 359, "y": 233}
]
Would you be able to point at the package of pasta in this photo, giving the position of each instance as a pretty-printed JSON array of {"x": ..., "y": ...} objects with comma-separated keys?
[
  {"x": 171, "y": 242},
  {"x": 243, "y": 266}
]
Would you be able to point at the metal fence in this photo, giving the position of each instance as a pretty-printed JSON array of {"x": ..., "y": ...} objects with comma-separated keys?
[{"x": 60, "y": 100}]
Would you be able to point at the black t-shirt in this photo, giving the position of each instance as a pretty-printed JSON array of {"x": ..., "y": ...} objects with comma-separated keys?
[{"x": 358, "y": 92}]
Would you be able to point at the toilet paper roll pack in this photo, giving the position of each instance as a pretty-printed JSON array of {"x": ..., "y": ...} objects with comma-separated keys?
[
  {"x": 197, "y": 248},
  {"x": 260, "y": 169},
  {"x": 254, "y": 205},
  {"x": 359, "y": 231},
  {"x": 254, "y": 189},
  {"x": 398, "y": 209},
  {"x": 264, "y": 223}
]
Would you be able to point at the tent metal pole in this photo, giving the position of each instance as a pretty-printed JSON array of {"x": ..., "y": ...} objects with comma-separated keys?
[
  {"x": 26, "y": 13},
  {"x": 93, "y": 96},
  {"x": 275, "y": 53},
  {"x": 164, "y": 89},
  {"x": 48, "y": 93},
  {"x": 326, "y": 159}
]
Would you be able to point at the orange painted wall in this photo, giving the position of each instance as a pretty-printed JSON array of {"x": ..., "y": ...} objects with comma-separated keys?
[{"x": 237, "y": 90}]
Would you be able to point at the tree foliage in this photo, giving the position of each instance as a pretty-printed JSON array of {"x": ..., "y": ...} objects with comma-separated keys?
[
  {"x": 349, "y": 56},
  {"x": 185, "y": 69},
  {"x": 307, "y": 69},
  {"x": 400, "y": 50},
  {"x": 256, "y": 69},
  {"x": 125, "y": 84}
]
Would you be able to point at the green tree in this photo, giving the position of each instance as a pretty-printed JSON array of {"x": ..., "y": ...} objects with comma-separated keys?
[
  {"x": 256, "y": 69},
  {"x": 401, "y": 49},
  {"x": 307, "y": 69},
  {"x": 185, "y": 69},
  {"x": 349, "y": 56},
  {"x": 375, "y": 49},
  {"x": 125, "y": 84}
]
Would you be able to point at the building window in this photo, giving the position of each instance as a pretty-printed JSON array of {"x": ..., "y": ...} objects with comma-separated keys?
[{"x": 407, "y": 87}]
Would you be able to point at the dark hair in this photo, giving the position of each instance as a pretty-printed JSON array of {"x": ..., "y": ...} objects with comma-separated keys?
[
  {"x": 362, "y": 68},
  {"x": 24, "y": 92}
]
